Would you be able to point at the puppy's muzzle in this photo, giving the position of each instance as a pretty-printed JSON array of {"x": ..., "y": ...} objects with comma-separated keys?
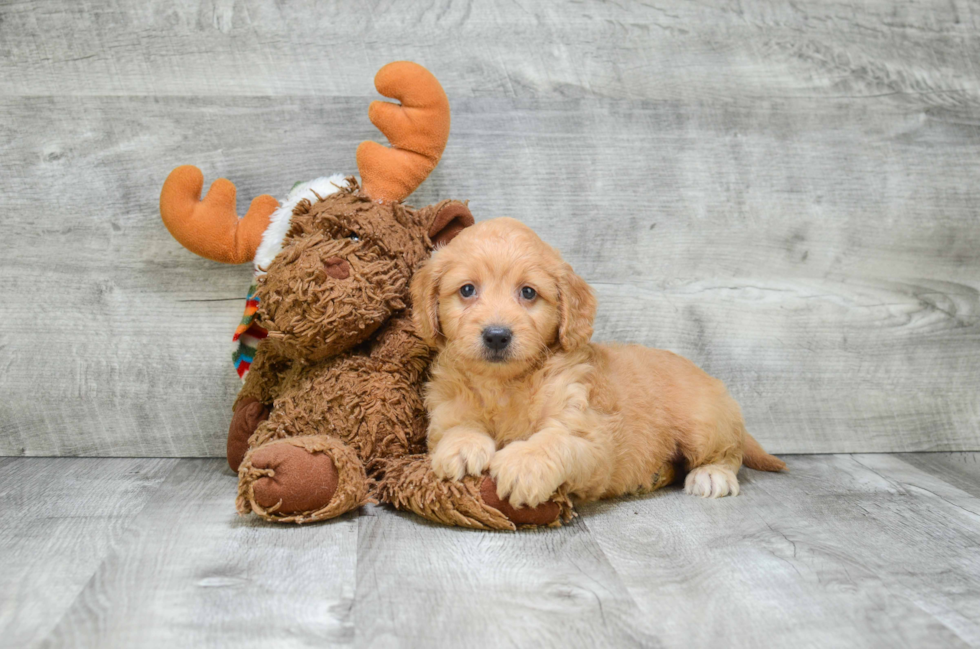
[{"x": 496, "y": 340}]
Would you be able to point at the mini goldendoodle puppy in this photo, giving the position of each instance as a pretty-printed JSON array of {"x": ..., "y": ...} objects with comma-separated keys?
[{"x": 518, "y": 388}]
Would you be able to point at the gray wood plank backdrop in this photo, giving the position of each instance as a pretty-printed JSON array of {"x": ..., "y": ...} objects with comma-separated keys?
[{"x": 787, "y": 193}]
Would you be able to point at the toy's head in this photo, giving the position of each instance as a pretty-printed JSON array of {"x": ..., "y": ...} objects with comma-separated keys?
[
  {"x": 335, "y": 260},
  {"x": 344, "y": 268}
]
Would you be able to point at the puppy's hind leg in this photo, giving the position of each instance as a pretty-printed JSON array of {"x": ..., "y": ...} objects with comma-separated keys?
[
  {"x": 711, "y": 481},
  {"x": 712, "y": 448}
]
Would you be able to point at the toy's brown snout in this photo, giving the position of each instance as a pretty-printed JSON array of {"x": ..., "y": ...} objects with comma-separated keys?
[{"x": 337, "y": 268}]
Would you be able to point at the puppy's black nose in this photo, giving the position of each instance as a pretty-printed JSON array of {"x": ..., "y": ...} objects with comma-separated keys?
[{"x": 497, "y": 338}]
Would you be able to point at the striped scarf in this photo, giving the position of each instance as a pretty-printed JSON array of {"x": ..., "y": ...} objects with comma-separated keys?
[{"x": 247, "y": 335}]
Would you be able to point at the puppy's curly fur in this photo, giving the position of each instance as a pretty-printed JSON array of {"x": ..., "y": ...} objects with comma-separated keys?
[{"x": 549, "y": 409}]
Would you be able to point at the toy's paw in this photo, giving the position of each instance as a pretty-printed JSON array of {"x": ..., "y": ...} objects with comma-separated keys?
[
  {"x": 544, "y": 514},
  {"x": 301, "y": 481},
  {"x": 711, "y": 481},
  {"x": 460, "y": 454},
  {"x": 249, "y": 414},
  {"x": 524, "y": 477}
]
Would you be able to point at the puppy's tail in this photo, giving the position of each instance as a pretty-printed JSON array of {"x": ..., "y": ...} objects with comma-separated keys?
[{"x": 754, "y": 457}]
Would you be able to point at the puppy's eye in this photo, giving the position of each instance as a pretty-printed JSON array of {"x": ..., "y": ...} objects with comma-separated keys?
[
  {"x": 467, "y": 290},
  {"x": 353, "y": 237},
  {"x": 528, "y": 293}
]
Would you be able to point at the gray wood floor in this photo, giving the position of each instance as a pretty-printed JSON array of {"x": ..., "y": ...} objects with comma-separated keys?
[{"x": 845, "y": 550}]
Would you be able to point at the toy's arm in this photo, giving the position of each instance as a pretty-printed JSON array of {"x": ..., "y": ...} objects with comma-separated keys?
[
  {"x": 263, "y": 383},
  {"x": 397, "y": 342},
  {"x": 264, "y": 379}
]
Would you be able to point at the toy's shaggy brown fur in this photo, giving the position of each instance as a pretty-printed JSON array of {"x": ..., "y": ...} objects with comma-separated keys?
[{"x": 341, "y": 366}]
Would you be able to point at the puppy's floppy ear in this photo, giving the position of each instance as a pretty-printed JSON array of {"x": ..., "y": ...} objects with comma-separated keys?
[
  {"x": 425, "y": 301},
  {"x": 445, "y": 220},
  {"x": 576, "y": 309}
]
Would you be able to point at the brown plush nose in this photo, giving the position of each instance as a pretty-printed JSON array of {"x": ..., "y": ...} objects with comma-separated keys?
[{"x": 337, "y": 268}]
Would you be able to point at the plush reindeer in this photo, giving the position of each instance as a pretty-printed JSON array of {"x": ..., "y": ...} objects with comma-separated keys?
[{"x": 331, "y": 363}]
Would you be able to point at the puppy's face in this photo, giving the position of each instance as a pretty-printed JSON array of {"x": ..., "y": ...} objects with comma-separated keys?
[{"x": 497, "y": 298}]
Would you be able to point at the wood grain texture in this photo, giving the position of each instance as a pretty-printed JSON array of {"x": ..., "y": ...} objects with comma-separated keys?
[
  {"x": 786, "y": 194},
  {"x": 507, "y": 48},
  {"x": 961, "y": 470},
  {"x": 193, "y": 573},
  {"x": 842, "y": 551},
  {"x": 423, "y": 585},
  {"x": 59, "y": 519}
]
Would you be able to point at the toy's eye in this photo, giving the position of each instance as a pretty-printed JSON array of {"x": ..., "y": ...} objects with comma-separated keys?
[
  {"x": 353, "y": 237},
  {"x": 467, "y": 290},
  {"x": 528, "y": 293}
]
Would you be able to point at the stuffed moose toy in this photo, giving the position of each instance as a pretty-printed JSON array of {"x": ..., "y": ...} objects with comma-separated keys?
[{"x": 330, "y": 415}]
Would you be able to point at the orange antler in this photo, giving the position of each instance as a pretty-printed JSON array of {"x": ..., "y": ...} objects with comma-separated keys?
[
  {"x": 417, "y": 129},
  {"x": 211, "y": 228}
]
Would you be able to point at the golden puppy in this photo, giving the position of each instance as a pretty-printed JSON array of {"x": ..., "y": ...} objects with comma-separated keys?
[{"x": 518, "y": 388}]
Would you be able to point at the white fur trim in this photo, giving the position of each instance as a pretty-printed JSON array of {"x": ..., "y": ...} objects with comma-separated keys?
[{"x": 280, "y": 220}]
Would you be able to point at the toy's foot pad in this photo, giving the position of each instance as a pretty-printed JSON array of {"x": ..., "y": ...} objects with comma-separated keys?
[
  {"x": 250, "y": 413},
  {"x": 544, "y": 514},
  {"x": 300, "y": 481}
]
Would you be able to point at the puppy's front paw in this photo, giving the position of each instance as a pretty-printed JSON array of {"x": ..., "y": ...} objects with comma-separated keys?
[
  {"x": 711, "y": 481},
  {"x": 462, "y": 454},
  {"x": 524, "y": 476}
]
